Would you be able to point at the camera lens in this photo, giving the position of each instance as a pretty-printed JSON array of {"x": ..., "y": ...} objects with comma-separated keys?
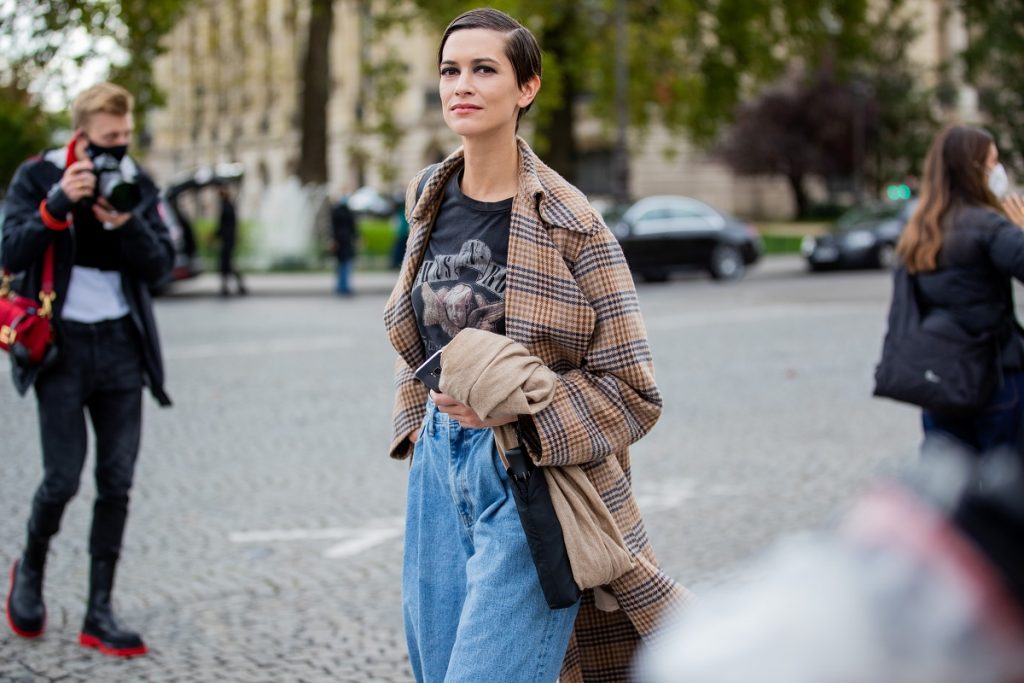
[{"x": 123, "y": 195}]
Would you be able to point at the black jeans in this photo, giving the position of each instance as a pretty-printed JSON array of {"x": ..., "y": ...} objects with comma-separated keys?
[{"x": 100, "y": 371}]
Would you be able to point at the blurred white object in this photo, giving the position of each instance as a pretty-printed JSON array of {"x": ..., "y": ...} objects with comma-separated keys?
[{"x": 898, "y": 595}]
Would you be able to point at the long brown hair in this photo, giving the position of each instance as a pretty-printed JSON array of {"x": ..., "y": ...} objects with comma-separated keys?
[{"x": 954, "y": 176}]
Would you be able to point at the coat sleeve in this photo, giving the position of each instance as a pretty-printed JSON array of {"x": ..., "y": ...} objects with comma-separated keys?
[
  {"x": 146, "y": 242},
  {"x": 409, "y": 409},
  {"x": 25, "y": 236},
  {"x": 611, "y": 400},
  {"x": 1006, "y": 250}
]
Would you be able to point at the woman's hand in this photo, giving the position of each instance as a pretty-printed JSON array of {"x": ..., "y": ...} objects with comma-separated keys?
[
  {"x": 463, "y": 414},
  {"x": 1014, "y": 207}
]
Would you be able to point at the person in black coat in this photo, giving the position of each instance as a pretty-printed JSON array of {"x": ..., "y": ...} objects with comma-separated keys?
[
  {"x": 105, "y": 340},
  {"x": 227, "y": 233},
  {"x": 965, "y": 253},
  {"x": 343, "y": 244}
]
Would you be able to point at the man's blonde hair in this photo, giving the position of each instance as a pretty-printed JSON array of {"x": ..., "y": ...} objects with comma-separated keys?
[{"x": 102, "y": 97}]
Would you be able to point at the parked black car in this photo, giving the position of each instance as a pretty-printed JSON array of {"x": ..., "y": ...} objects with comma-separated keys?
[
  {"x": 863, "y": 237},
  {"x": 663, "y": 234}
]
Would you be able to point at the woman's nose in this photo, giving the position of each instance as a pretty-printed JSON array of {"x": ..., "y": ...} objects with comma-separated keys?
[{"x": 464, "y": 84}]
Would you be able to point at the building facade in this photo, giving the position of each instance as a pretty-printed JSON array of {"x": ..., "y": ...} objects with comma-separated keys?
[{"x": 232, "y": 78}]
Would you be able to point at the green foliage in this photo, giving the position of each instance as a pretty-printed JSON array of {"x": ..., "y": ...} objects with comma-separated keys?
[
  {"x": 781, "y": 244},
  {"x": 376, "y": 236},
  {"x": 863, "y": 112},
  {"x": 24, "y": 128},
  {"x": 995, "y": 65},
  {"x": 38, "y": 32},
  {"x": 690, "y": 61}
]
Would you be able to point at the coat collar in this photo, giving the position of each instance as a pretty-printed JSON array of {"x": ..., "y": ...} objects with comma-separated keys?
[
  {"x": 544, "y": 201},
  {"x": 556, "y": 202}
]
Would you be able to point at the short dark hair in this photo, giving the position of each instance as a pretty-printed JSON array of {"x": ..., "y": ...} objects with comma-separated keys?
[{"x": 521, "y": 45}]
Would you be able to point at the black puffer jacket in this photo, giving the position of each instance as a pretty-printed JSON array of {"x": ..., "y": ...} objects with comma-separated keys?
[
  {"x": 981, "y": 253},
  {"x": 146, "y": 258}
]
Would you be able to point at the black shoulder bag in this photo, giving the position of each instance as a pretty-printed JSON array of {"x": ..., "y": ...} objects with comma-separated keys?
[
  {"x": 931, "y": 361},
  {"x": 543, "y": 531}
]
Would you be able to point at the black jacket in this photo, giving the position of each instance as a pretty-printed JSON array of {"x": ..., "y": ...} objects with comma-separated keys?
[
  {"x": 982, "y": 251},
  {"x": 147, "y": 256},
  {"x": 343, "y": 231}
]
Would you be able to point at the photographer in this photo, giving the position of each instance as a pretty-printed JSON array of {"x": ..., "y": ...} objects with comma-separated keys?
[{"x": 98, "y": 209}]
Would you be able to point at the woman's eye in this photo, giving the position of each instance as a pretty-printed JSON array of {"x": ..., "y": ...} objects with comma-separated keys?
[
  {"x": 485, "y": 69},
  {"x": 449, "y": 71}
]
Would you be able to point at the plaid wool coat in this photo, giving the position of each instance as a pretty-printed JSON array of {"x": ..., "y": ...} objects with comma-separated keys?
[{"x": 570, "y": 300}]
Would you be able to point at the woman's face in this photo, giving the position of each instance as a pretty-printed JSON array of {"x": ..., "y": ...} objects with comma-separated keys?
[
  {"x": 991, "y": 159},
  {"x": 479, "y": 94}
]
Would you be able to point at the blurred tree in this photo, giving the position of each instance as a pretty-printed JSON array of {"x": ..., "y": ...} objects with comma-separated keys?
[
  {"x": 690, "y": 61},
  {"x": 869, "y": 118},
  {"x": 24, "y": 128},
  {"x": 314, "y": 92},
  {"x": 800, "y": 128},
  {"x": 995, "y": 66},
  {"x": 125, "y": 33}
]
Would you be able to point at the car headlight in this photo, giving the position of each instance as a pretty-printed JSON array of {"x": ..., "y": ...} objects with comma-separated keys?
[
  {"x": 859, "y": 239},
  {"x": 807, "y": 245}
]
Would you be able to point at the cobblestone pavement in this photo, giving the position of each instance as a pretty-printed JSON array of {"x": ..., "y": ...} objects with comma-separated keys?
[{"x": 264, "y": 539}]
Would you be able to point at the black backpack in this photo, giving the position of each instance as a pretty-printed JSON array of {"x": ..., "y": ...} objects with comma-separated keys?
[{"x": 929, "y": 360}]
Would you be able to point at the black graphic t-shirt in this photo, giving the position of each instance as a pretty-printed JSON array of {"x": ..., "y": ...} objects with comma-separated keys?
[{"x": 461, "y": 282}]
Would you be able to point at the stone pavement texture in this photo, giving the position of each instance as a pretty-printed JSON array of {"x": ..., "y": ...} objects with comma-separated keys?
[{"x": 264, "y": 541}]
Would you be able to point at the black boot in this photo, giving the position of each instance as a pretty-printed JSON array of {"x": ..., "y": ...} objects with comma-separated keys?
[
  {"x": 101, "y": 629},
  {"x": 26, "y": 613}
]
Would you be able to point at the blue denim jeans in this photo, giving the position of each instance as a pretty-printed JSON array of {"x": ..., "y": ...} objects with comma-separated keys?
[
  {"x": 341, "y": 285},
  {"x": 474, "y": 609},
  {"x": 1000, "y": 425}
]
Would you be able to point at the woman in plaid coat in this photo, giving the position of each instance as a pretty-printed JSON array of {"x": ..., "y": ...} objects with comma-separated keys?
[{"x": 500, "y": 242}]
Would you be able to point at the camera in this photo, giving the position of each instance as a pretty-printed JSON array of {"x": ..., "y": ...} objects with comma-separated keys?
[{"x": 121, "y": 191}]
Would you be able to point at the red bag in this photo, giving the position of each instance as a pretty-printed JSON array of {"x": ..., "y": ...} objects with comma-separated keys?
[{"x": 25, "y": 324}]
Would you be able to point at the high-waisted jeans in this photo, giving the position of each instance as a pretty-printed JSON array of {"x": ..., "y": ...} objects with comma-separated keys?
[
  {"x": 100, "y": 371},
  {"x": 474, "y": 609}
]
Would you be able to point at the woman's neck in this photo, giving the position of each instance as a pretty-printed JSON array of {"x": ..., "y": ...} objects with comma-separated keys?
[{"x": 491, "y": 172}]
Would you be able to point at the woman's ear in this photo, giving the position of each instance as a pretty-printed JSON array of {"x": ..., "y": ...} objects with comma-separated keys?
[{"x": 528, "y": 92}]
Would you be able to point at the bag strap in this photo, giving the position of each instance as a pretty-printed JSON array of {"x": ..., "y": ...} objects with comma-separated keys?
[
  {"x": 47, "y": 295},
  {"x": 425, "y": 179}
]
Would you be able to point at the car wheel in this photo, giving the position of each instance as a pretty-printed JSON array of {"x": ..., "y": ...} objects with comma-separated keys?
[
  {"x": 887, "y": 256},
  {"x": 726, "y": 263}
]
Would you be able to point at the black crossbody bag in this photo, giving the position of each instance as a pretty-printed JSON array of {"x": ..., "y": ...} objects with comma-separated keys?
[
  {"x": 931, "y": 361},
  {"x": 543, "y": 531}
]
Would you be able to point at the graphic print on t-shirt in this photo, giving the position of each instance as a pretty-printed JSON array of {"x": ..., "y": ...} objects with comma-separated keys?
[{"x": 456, "y": 291}]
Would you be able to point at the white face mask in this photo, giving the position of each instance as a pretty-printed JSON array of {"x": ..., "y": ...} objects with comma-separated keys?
[{"x": 998, "y": 182}]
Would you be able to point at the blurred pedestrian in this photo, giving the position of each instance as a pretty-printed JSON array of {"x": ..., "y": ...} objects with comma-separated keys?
[
  {"x": 922, "y": 581},
  {"x": 401, "y": 232},
  {"x": 104, "y": 263},
  {"x": 343, "y": 244},
  {"x": 227, "y": 235},
  {"x": 501, "y": 245},
  {"x": 965, "y": 253}
]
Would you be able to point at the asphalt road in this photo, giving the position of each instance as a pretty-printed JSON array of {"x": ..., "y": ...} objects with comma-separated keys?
[{"x": 264, "y": 542}]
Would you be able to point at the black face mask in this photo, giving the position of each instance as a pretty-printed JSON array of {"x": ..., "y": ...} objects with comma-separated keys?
[{"x": 117, "y": 151}]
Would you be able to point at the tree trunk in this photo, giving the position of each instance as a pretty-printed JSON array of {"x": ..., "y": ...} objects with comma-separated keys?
[
  {"x": 315, "y": 83},
  {"x": 560, "y": 130},
  {"x": 796, "y": 184}
]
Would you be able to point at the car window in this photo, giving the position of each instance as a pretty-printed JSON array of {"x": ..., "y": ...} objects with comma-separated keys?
[
  {"x": 860, "y": 215},
  {"x": 657, "y": 213},
  {"x": 689, "y": 211}
]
